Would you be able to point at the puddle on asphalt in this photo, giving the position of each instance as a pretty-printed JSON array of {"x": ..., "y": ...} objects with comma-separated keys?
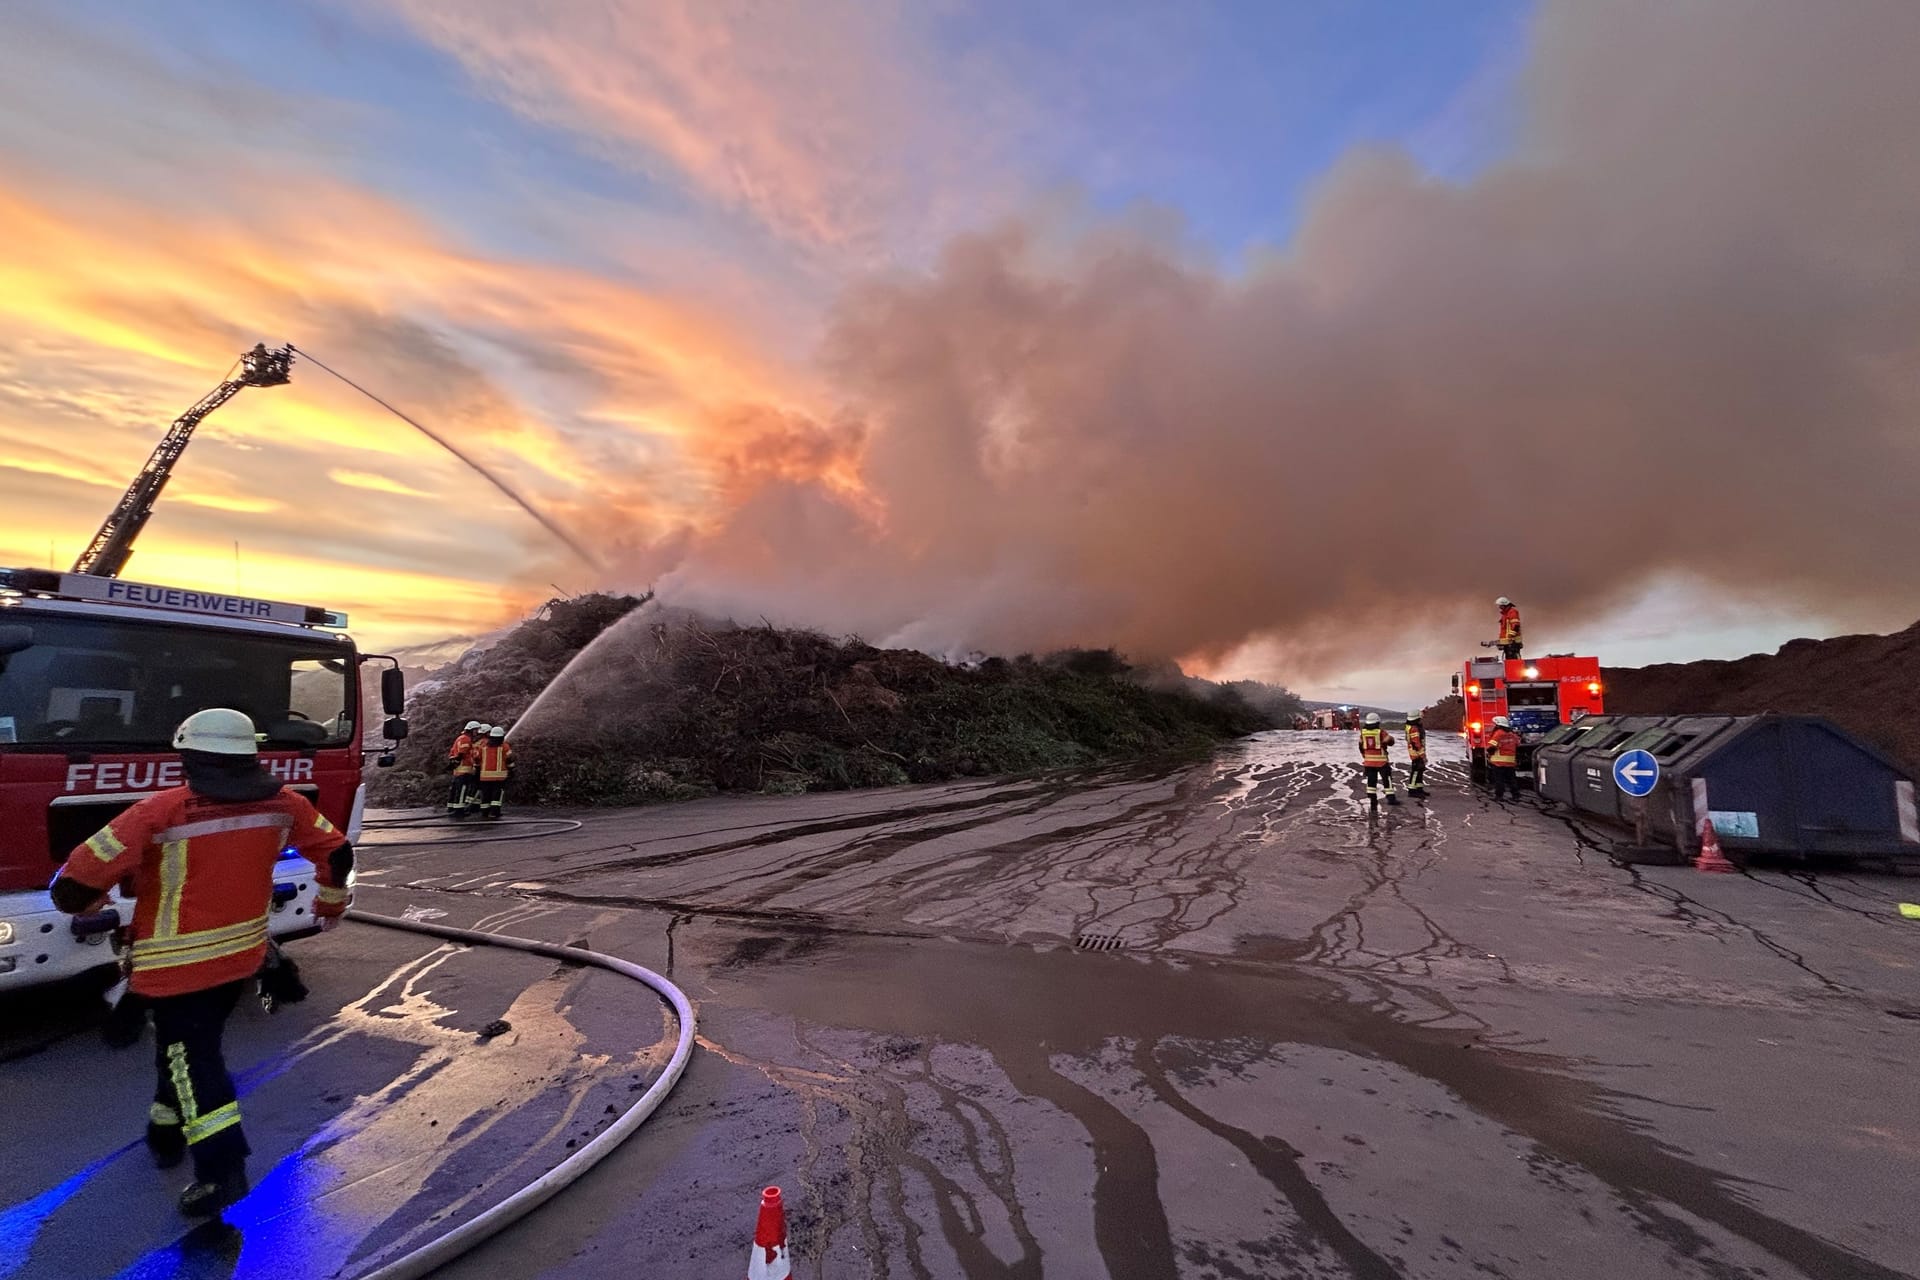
[
  {"x": 417, "y": 1127},
  {"x": 1033, "y": 1011}
]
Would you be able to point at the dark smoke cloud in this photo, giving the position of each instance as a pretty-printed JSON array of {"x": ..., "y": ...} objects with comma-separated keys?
[{"x": 1678, "y": 331}]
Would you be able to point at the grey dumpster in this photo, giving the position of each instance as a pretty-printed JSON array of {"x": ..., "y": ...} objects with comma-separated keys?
[
  {"x": 1552, "y": 777},
  {"x": 1590, "y": 784}
]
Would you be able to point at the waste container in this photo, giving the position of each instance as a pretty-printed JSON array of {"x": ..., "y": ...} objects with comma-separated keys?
[
  {"x": 1783, "y": 784},
  {"x": 1552, "y": 777},
  {"x": 1590, "y": 785}
]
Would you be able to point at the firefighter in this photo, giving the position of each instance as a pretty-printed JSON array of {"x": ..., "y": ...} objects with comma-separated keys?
[
  {"x": 1509, "y": 641},
  {"x": 202, "y": 859},
  {"x": 1416, "y": 756},
  {"x": 1374, "y": 742},
  {"x": 460, "y": 758},
  {"x": 1503, "y": 758},
  {"x": 472, "y": 809},
  {"x": 496, "y": 766}
]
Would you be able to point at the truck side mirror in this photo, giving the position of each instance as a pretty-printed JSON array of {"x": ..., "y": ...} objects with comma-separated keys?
[
  {"x": 1456, "y": 682},
  {"x": 395, "y": 729},
  {"x": 393, "y": 691},
  {"x": 14, "y": 637}
]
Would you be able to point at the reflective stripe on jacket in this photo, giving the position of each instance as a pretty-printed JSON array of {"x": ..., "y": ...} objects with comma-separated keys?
[
  {"x": 462, "y": 753},
  {"x": 495, "y": 760},
  {"x": 1510, "y": 625},
  {"x": 1373, "y": 747},
  {"x": 1503, "y": 748},
  {"x": 203, "y": 874},
  {"x": 1416, "y": 742}
]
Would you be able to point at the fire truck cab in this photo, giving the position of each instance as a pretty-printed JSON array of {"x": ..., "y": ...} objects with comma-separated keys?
[
  {"x": 95, "y": 674},
  {"x": 1536, "y": 694}
]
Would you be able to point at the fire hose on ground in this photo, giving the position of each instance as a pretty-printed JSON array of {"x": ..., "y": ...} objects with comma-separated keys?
[{"x": 466, "y": 1236}]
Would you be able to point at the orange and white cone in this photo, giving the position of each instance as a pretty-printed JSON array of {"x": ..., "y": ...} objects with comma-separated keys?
[
  {"x": 768, "y": 1261},
  {"x": 1711, "y": 858}
]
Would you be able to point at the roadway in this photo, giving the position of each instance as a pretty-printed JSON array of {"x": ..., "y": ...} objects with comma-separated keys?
[{"x": 1210, "y": 1020}]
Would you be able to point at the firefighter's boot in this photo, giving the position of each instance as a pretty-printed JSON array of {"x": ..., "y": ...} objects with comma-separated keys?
[{"x": 205, "y": 1199}]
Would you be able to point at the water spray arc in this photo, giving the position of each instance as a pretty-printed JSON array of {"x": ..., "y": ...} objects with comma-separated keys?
[{"x": 473, "y": 464}]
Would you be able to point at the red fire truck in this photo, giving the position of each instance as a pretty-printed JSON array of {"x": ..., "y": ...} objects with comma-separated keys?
[
  {"x": 95, "y": 673},
  {"x": 1536, "y": 694}
]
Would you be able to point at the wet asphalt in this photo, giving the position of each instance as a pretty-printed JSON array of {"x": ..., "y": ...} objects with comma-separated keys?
[{"x": 1208, "y": 1020}]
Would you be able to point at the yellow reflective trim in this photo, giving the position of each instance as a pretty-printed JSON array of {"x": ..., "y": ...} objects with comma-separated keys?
[
  {"x": 330, "y": 895},
  {"x": 320, "y": 823},
  {"x": 182, "y": 1083},
  {"x": 213, "y": 1122},
  {"x": 146, "y": 959},
  {"x": 204, "y": 938},
  {"x": 173, "y": 885},
  {"x": 105, "y": 845},
  {"x": 163, "y": 1115}
]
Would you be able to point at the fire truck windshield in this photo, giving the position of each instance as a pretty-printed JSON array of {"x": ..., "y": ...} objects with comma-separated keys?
[{"x": 114, "y": 683}]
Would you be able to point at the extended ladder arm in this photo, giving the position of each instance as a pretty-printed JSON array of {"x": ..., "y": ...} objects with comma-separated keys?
[{"x": 112, "y": 545}]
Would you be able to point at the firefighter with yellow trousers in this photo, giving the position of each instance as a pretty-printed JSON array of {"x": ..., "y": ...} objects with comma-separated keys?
[
  {"x": 1374, "y": 742},
  {"x": 1503, "y": 758},
  {"x": 202, "y": 858},
  {"x": 460, "y": 758},
  {"x": 1416, "y": 756},
  {"x": 494, "y": 762}
]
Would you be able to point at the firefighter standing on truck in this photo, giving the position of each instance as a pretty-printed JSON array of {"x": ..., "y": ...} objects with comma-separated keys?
[
  {"x": 1509, "y": 641},
  {"x": 1374, "y": 742},
  {"x": 1416, "y": 756},
  {"x": 496, "y": 766},
  {"x": 202, "y": 859},
  {"x": 460, "y": 757},
  {"x": 1503, "y": 758}
]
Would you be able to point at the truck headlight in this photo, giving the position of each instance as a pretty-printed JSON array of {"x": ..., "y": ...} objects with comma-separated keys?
[{"x": 6, "y": 932}]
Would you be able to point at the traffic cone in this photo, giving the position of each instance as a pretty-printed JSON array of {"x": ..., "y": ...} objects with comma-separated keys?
[
  {"x": 768, "y": 1261},
  {"x": 1711, "y": 858}
]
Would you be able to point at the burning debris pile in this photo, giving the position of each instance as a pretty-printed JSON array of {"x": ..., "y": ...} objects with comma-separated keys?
[{"x": 657, "y": 704}]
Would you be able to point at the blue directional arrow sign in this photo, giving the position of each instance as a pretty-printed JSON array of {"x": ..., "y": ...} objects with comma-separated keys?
[{"x": 1635, "y": 772}]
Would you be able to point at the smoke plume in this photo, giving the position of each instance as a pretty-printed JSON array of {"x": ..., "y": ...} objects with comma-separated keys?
[{"x": 1677, "y": 329}]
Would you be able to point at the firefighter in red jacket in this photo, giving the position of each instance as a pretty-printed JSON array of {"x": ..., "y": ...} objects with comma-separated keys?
[
  {"x": 1503, "y": 758},
  {"x": 1509, "y": 641},
  {"x": 1416, "y": 756},
  {"x": 460, "y": 758},
  {"x": 202, "y": 859},
  {"x": 1374, "y": 742},
  {"x": 495, "y": 766}
]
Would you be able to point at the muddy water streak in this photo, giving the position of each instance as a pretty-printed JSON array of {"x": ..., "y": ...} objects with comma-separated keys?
[{"x": 1195, "y": 1019}]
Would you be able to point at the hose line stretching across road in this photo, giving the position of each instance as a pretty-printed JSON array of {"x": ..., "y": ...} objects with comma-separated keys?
[{"x": 430, "y": 1257}]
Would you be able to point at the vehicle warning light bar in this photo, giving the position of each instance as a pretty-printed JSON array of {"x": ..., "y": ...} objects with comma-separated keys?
[{"x": 83, "y": 586}]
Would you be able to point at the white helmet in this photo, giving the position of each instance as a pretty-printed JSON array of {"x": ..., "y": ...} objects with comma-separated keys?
[
  {"x": 1413, "y": 717},
  {"x": 471, "y": 726},
  {"x": 1502, "y": 602},
  {"x": 1503, "y": 722},
  {"x": 218, "y": 731},
  {"x": 1373, "y": 717},
  {"x": 498, "y": 731},
  {"x": 483, "y": 728}
]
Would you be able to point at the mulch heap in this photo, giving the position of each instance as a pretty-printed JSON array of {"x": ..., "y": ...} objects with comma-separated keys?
[
  {"x": 1868, "y": 685},
  {"x": 660, "y": 705}
]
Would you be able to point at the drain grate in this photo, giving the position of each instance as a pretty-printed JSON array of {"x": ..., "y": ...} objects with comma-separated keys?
[{"x": 1098, "y": 942}]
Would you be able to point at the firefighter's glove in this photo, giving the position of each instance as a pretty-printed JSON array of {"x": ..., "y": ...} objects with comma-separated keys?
[{"x": 280, "y": 981}]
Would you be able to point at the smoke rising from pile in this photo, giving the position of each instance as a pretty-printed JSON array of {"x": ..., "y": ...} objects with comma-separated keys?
[{"x": 1677, "y": 330}]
